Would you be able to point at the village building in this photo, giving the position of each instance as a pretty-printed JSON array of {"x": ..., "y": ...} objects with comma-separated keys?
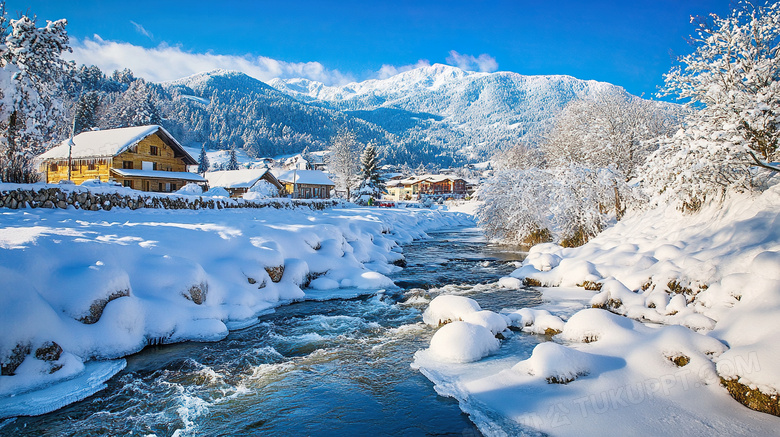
[
  {"x": 238, "y": 182},
  {"x": 431, "y": 185},
  {"x": 306, "y": 184},
  {"x": 145, "y": 158}
]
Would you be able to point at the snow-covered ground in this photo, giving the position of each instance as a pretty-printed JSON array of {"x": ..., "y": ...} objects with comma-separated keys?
[
  {"x": 82, "y": 289},
  {"x": 676, "y": 303}
]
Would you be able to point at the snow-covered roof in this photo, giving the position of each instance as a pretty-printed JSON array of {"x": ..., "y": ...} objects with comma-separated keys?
[
  {"x": 311, "y": 177},
  {"x": 429, "y": 178},
  {"x": 242, "y": 178},
  {"x": 111, "y": 142},
  {"x": 185, "y": 175}
]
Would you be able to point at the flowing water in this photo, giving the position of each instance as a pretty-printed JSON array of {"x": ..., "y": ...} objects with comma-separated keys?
[{"x": 338, "y": 367}]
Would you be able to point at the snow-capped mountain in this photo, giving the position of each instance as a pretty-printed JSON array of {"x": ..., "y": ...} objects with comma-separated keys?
[
  {"x": 436, "y": 114},
  {"x": 472, "y": 112}
]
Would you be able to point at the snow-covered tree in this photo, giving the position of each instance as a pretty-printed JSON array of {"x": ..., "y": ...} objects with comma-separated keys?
[
  {"x": 519, "y": 156},
  {"x": 32, "y": 73},
  {"x": 614, "y": 131},
  {"x": 307, "y": 157},
  {"x": 344, "y": 160},
  {"x": 137, "y": 106},
  {"x": 203, "y": 160},
  {"x": 731, "y": 83},
  {"x": 371, "y": 184},
  {"x": 86, "y": 113},
  {"x": 233, "y": 162}
]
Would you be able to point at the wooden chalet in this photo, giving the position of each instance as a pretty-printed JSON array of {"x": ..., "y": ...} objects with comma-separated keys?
[
  {"x": 238, "y": 182},
  {"x": 145, "y": 158},
  {"x": 306, "y": 184}
]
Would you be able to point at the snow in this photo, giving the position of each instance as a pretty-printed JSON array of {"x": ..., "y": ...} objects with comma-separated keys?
[
  {"x": 187, "y": 176},
  {"x": 167, "y": 276},
  {"x": 449, "y": 308},
  {"x": 242, "y": 178},
  {"x": 461, "y": 342},
  {"x": 85, "y": 384},
  {"x": 311, "y": 177},
  {"x": 691, "y": 299},
  {"x": 103, "y": 143}
]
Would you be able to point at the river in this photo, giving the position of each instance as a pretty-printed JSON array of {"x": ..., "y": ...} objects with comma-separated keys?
[{"x": 337, "y": 367}]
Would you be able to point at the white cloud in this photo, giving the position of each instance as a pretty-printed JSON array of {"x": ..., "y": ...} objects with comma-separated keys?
[
  {"x": 164, "y": 62},
  {"x": 483, "y": 62},
  {"x": 391, "y": 70},
  {"x": 140, "y": 29}
]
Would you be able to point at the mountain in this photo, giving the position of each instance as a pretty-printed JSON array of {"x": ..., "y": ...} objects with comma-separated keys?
[
  {"x": 224, "y": 109},
  {"x": 471, "y": 113}
]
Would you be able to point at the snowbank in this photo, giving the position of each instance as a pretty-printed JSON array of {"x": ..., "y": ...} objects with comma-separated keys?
[
  {"x": 683, "y": 304},
  {"x": 81, "y": 286}
]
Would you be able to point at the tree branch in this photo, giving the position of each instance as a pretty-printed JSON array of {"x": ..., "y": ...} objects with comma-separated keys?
[{"x": 763, "y": 164}]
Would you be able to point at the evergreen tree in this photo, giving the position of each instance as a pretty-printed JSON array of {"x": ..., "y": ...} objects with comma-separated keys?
[
  {"x": 372, "y": 182},
  {"x": 233, "y": 163},
  {"x": 203, "y": 160},
  {"x": 86, "y": 116}
]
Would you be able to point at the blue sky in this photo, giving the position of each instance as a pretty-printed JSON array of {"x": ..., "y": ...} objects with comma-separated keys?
[{"x": 628, "y": 43}]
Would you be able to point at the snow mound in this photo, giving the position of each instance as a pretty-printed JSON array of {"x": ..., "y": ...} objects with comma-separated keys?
[
  {"x": 449, "y": 308},
  {"x": 494, "y": 322},
  {"x": 536, "y": 321},
  {"x": 461, "y": 342},
  {"x": 557, "y": 364}
]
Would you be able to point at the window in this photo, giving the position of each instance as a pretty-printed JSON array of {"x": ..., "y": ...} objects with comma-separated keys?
[
  {"x": 127, "y": 183},
  {"x": 91, "y": 166},
  {"x": 173, "y": 187},
  {"x": 160, "y": 187},
  {"x": 53, "y": 167},
  {"x": 153, "y": 150},
  {"x": 127, "y": 165}
]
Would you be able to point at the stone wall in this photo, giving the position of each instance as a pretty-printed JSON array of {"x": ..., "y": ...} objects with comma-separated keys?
[{"x": 106, "y": 199}]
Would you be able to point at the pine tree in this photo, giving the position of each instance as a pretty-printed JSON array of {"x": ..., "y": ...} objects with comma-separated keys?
[
  {"x": 203, "y": 161},
  {"x": 86, "y": 115},
  {"x": 371, "y": 185},
  {"x": 233, "y": 163}
]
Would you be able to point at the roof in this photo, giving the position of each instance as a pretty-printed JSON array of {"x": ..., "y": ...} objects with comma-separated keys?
[
  {"x": 310, "y": 177},
  {"x": 185, "y": 175},
  {"x": 111, "y": 142},
  {"x": 242, "y": 178},
  {"x": 428, "y": 178}
]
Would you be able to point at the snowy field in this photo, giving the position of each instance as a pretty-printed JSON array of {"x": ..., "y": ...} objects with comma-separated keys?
[
  {"x": 82, "y": 289},
  {"x": 676, "y": 303}
]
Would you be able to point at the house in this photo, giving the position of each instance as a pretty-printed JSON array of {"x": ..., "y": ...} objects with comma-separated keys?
[
  {"x": 238, "y": 182},
  {"x": 432, "y": 185},
  {"x": 440, "y": 185},
  {"x": 145, "y": 158},
  {"x": 306, "y": 184}
]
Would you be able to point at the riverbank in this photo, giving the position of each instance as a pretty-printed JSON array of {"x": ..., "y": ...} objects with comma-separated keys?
[
  {"x": 83, "y": 286},
  {"x": 666, "y": 315}
]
